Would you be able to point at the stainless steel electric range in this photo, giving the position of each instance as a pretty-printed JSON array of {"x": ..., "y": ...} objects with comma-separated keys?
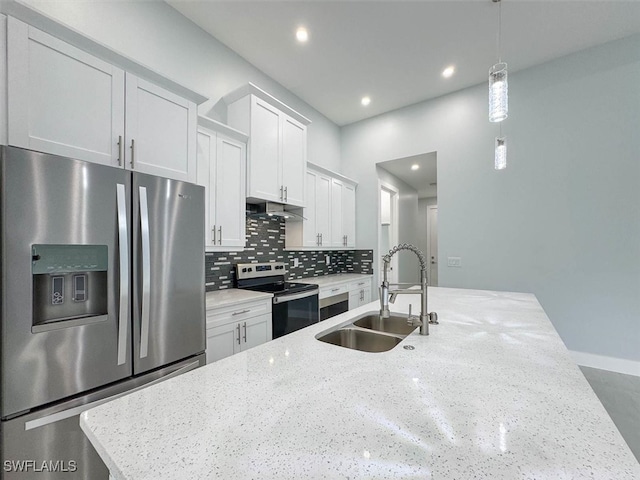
[{"x": 295, "y": 305}]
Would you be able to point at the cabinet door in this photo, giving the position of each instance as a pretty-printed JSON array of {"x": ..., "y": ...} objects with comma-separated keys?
[
  {"x": 160, "y": 131},
  {"x": 256, "y": 331},
  {"x": 222, "y": 341},
  {"x": 62, "y": 100},
  {"x": 349, "y": 214},
  {"x": 294, "y": 161},
  {"x": 323, "y": 209},
  {"x": 354, "y": 299},
  {"x": 337, "y": 235},
  {"x": 310, "y": 232},
  {"x": 229, "y": 180},
  {"x": 264, "y": 167},
  {"x": 366, "y": 295},
  {"x": 204, "y": 169}
]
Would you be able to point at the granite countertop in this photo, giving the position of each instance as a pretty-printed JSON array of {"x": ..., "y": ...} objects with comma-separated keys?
[
  {"x": 491, "y": 393},
  {"x": 335, "y": 279},
  {"x": 232, "y": 296}
]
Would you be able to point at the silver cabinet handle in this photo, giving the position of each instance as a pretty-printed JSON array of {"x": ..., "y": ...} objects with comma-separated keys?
[
  {"x": 245, "y": 332},
  {"x": 335, "y": 289},
  {"x": 146, "y": 272},
  {"x": 220, "y": 235},
  {"x": 281, "y": 192},
  {"x": 119, "y": 149},
  {"x": 240, "y": 312},
  {"x": 238, "y": 327},
  {"x": 286, "y": 195},
  {"x": 213, "y": 235},
  {"x": 133, "y": 151},
  {"x": 123, "y": 245},
  {"x": 320, "y": 239}
]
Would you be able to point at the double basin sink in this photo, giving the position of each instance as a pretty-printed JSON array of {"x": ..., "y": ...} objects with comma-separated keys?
[{"x": 369, "y": 333}]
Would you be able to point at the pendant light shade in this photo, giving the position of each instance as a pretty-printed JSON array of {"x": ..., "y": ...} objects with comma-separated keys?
[
  {"x": 498, "y": 93},
  {"x": 501, "y": 153}
]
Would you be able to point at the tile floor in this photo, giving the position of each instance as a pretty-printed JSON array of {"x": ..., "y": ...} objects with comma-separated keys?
[{"x": 620, "y": 395}]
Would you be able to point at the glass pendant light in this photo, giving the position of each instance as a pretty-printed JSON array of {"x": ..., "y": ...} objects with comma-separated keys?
[
  {"x": 498, "y": 86},
  {"x": 501, "y": 153}
]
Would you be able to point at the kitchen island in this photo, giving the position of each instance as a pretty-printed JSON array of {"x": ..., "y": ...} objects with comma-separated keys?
[{"x": 491, "y": 393}]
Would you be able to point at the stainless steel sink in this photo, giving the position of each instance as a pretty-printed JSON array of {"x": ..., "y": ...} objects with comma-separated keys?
[
  {"x": 394, "y": 324},
  {"x": 362, "y": 340}
]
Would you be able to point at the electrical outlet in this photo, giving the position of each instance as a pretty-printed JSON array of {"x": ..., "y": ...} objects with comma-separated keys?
[
  {"x": 454, "y": 262},
  {"x": 327, "y": 259},
  {"x": 296, "y": 262}
]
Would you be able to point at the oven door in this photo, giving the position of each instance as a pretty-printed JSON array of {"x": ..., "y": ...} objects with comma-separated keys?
[{"x": 295, "y": 311}]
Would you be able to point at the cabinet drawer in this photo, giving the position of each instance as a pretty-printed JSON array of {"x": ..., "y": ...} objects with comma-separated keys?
[
  {"x": 359, "y": 284},
  {"x": 237, "y": 312},
  {"x": 331, "y": 290}
]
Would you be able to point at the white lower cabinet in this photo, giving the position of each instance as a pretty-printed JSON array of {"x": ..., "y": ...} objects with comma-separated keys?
[
  {"x": 237, "y": 328},
  {"x": 359, "y": 293},
  {"x": 221, "y": 171}
]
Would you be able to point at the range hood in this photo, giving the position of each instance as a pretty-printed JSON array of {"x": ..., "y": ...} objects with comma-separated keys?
[{"x": 273, "y": 209}]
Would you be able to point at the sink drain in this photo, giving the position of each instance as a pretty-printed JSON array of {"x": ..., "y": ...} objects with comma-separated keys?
[{"x": 409, "y": 347}]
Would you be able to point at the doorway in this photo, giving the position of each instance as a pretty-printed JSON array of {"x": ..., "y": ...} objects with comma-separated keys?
[{"x": 388, "y": 228}]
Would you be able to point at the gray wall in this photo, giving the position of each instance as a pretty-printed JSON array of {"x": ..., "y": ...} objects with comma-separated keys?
[
  {"x": 407, "y": 222},
  {"x": 562, "y": 221},
  {"x": 156, "y": 35}
]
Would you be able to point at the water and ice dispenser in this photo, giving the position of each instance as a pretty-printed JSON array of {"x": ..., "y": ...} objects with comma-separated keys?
[{"x": 69, "y": 285}]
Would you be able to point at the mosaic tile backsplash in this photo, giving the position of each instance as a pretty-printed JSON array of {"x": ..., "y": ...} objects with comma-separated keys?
[{"x": 265, "y": 243}]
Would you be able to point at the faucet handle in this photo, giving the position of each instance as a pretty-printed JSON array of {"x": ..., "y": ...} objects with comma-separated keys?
[{"x": 413, "y": 320}]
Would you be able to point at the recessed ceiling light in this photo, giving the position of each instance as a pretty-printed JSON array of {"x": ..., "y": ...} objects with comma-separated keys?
[
  {"x": 302, "y": 35},
  {"x": 365, "y": 101},
  {"x": 415, "y": 166},
  {"x": 449, "y": 71}
]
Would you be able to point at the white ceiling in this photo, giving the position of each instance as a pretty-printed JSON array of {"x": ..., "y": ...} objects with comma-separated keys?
[
  {"x": 394, "y": 51},
  {"x": 424, "y": 180}
]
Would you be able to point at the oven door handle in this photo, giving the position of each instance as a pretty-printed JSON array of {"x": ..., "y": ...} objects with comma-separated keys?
[{"x": 294, "y": 296}]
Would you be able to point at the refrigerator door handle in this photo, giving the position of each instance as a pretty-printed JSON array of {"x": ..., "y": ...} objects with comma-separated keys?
[
  {"x": 123, "y": 242},
  {"x": 71, "y": 412},
  {"x": 146, "y": 272}
]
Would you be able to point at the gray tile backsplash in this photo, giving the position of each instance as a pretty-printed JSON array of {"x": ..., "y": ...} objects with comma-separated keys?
[{"x": 265, "y": 243}]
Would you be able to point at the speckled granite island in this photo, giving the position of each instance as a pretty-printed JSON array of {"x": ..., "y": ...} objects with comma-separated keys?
[{"x": 492, "y": 393}]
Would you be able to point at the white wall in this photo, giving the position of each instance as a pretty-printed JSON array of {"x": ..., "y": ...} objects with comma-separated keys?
[
  {"x": 156, "y": 35},
  {"x": 562, "y": 221}
]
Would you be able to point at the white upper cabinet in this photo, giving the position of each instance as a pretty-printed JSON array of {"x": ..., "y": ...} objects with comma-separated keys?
[
  {"x": 68, "y": 102},
  {"x": 221, "y": 170},
  {"x": 160, "y": 131},
  {"x": 329, "y": 215},
  {"x": 277, "y": 147},
  {"x": 62, "y": 100}
]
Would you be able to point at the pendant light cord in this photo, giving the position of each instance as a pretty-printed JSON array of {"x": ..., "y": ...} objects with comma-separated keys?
[{"x": 499, "y": 47}]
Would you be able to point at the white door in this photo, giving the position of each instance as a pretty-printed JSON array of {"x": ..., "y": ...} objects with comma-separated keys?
[
  {"x": 432, "y": 245},
  {"x": 229, "y": 181},
  {"x": 264, "y": 169},
  {"x": 62, "y": 100},
  {"x": 337, "y": 236},
  {"x": 294, "y": 161},
  {"x": 160, "y": 131},
  {"x": 349, "y": 214},
  {"x": 310, "y": 231},
  {"x": 323, "y": 210},
  {"x": 204, "y": 171}
]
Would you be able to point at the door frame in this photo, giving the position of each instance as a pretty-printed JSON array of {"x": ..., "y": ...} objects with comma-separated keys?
[{"x": 430, "y": 209}]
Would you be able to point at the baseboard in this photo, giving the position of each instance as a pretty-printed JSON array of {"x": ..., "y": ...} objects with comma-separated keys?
[{"x": 613, "y": 364}]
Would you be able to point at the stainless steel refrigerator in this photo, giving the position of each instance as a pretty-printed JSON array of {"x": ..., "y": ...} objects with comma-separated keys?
[{"x": 102, "y": 280}]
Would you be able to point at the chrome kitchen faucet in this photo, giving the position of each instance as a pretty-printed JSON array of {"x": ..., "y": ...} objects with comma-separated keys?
[{"x": 387, "y": 295}]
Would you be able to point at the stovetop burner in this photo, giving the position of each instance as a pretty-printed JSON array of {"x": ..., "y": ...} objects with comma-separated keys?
[{"x": 268, "y": 278}]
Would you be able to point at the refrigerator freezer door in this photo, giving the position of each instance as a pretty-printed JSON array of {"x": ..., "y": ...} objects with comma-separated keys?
[
  {"x": 71, "y": 208},
  {"x": 49, "y": 444},
  {"x": 168, "y": 264}
]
